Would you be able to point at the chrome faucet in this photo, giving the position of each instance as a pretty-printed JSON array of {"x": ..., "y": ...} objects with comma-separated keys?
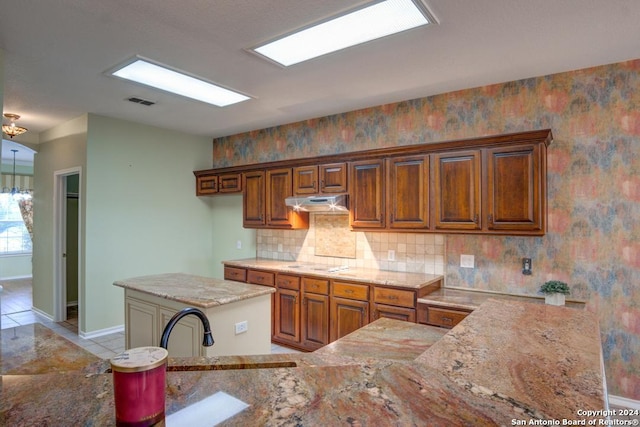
[{"x": 208, "y": 337}]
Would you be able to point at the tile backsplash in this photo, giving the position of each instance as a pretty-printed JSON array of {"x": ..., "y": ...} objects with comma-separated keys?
[{"x": 414, "y": 252}]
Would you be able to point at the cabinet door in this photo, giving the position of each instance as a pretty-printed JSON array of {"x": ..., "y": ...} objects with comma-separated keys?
[
  {"x": 333, "y": 178},
  {"x": 141, "y": 319},
  {"x": 305, "y": 180},
  {"x": 515, "y": 195},
  {"x": 279, "y": 187},
  {"x": 457, "y": 190},
  {"x": 366, "y": 194},
  {"x": 186, "y": 336},
  {"x": 287, "y": 315},
  {"x": 315, "y": 321},
  {"x": 347, "y": 316},
  {"x": 206, "y": 185},
  {"x": 253, "y": 203},
  {"x": 230, "y": 183},
  {"x": 408, "y": 192}
]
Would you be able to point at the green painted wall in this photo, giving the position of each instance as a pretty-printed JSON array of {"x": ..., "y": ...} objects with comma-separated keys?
[
  {"x": 227, "y": 230},
  {"x": 15, "y": 266},
  {"x": 142, "y": 216}
]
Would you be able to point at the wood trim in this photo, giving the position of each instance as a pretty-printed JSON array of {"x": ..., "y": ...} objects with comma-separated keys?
[{"x": 537, "y": 136}]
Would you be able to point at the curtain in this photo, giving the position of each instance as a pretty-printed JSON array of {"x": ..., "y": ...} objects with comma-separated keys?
[{"x": 26, "y": 209}]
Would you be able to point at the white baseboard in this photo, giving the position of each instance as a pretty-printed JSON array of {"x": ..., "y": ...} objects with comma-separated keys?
[
  {"x": 101, "y": 332},
  {"x": 623, "y": 402},
  {"x": 42, "y": 313}
]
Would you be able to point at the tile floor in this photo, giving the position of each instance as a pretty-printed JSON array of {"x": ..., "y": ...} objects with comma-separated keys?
[{"x": 15, "y": 297}]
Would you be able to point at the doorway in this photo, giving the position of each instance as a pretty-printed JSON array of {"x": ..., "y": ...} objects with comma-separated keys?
[{"x": 67, "y": 248}]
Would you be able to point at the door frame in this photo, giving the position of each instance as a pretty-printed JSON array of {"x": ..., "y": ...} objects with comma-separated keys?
[{"x": 59, "y": 245}]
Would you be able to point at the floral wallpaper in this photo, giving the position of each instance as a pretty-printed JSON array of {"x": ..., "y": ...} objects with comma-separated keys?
[{"x": 593, "y": 239}]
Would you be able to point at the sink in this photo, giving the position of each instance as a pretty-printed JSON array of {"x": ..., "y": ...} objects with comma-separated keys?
[{"x": 209, "y": 411}]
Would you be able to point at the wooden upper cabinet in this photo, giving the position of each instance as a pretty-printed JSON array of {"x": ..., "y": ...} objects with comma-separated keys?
[
  {"x": 366, "y": 194},
  {"x": 515, "y": 192},
  {"x": 408, "y": 192},
  {"x": 279, "y": 187},
  {"x": 333, "y": 178},
  {"x": 322, "y": 179},
  {"x": 206, "y": 185},
  {"x": 253, "y": 202},
  {"x": 230, "y": 183},
  {"x": 305, "y": 180},
  {"x": 457, "y": 186}
]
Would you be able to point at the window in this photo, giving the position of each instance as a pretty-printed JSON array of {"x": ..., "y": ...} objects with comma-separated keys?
[{"x": 14, "y": 236}]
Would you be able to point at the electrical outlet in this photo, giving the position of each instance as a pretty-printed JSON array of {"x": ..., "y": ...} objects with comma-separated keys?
[
  {"x": 239, "y": 244},
  {"x": 391, "y": 255},
  {"x": 467, "y": 261},
  {"x": 242, "y": 327}
]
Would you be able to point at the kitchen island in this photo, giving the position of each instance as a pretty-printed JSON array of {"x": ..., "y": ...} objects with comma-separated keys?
[
  {"x": 151, "y": 301},
  {"x": 506, "y": 363}
]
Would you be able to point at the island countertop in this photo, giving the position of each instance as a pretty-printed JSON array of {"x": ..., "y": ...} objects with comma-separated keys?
[
  {"x": 195, "y": 291},
  {"x": 506, "y": 361}
]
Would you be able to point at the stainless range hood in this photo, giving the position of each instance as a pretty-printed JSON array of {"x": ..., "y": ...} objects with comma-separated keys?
[{"x": 333, "y": 203}]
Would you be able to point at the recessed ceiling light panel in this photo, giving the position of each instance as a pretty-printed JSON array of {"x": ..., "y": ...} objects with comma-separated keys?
[
  {"x": 378, "y": 20},
  {"x": 158, "y": 76}
]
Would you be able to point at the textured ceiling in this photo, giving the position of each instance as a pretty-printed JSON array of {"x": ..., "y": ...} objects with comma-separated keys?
[{"x": 57, "y": 51}]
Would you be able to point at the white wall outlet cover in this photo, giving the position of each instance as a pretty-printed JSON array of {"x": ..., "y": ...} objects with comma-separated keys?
[
  {"x": 467, "y": 261},
  {"x": 391, "y": 255}
]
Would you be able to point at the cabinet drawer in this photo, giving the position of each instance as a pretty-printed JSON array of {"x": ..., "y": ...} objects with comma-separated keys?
[
  {"x": 288, "y": 282},
  {"x": 444, "y": 317},
  {"x": 260, "y": 277},
  {"x": 397, "y": 297},
  {"x": 237, "y": 274},
  {"x": 350, "y": 290},
  {"x": 315, "y": 286}
]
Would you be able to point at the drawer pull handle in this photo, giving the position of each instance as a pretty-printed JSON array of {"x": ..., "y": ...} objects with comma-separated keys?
[
  {"x": 393, "y": 297},
  {"x": 348, "y": 291},
  {"x": 447, "y": 320}
]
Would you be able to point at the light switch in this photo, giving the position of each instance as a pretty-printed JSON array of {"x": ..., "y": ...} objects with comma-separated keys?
[{"x": 467, "y": 261}]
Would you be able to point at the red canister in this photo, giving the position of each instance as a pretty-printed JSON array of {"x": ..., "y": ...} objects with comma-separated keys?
[{"x": 139, "y": 386}]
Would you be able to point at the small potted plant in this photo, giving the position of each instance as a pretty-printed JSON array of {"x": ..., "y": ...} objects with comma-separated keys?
[{"x": 554, "y": 291}]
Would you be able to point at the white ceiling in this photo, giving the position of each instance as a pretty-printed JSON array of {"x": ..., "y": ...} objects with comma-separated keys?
[{"x": 56, "y": 53}]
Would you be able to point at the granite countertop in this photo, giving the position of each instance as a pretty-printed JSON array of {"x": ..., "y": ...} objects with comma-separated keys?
[
  {"x": 547, "y": 364},
  {"x": 195, "y": 291},
  {"x": 36, "y": 349},
  {"x": 470, "y": 299},
  {"x": 377, "y": 277}
]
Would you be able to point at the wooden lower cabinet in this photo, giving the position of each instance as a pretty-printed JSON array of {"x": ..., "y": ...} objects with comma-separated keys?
[
  {"x": 315, "y": 321},
  {"x": 393, "y": 312},
  {"x": 287, "y": 316},
  {"x": 315, "y": 313},
  {"x": 286, "y": 310},
  {"x": 311, "y": 312},
  {"x": 394, "y": 303},
  {"x": 440, "y": 316},
  {"x": 347, "y": 316}
]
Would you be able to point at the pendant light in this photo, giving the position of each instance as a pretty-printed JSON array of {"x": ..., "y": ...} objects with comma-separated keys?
[{"x": 11, "y": 129}]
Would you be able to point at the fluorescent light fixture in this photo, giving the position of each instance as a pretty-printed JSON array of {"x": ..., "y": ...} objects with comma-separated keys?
[
  {"x": 369, "y": 23},
  {"x": 145, "y": 72}
]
